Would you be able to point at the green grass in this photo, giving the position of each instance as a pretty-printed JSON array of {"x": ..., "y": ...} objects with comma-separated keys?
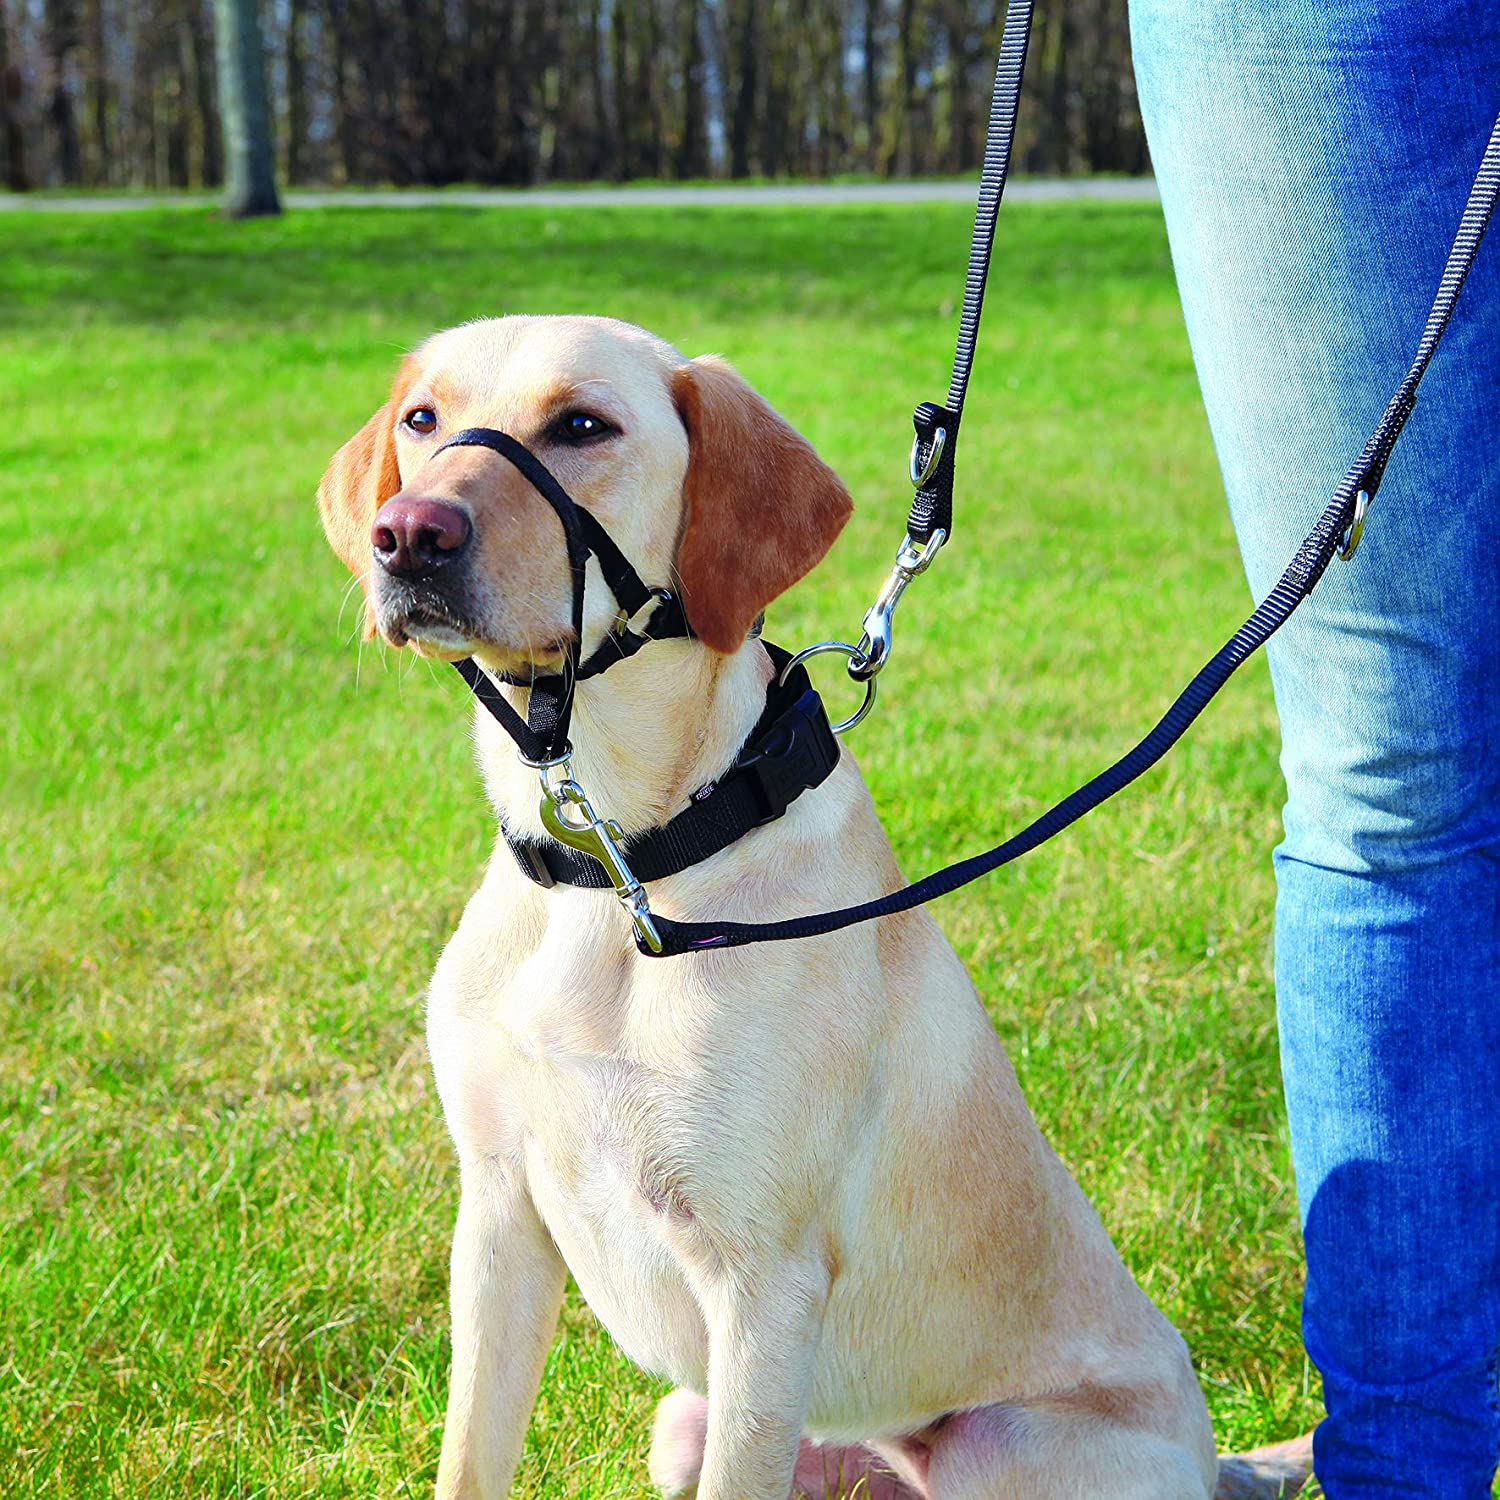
[{"x": 227, "y": 1190}]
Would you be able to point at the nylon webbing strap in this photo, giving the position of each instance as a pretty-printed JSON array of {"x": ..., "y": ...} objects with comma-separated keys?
[
  {"x": 1301, "y": 575},
  {"x": 790, "y": 750},
  {"x": 932, "y": 505},
  {"x": 543, "y": 733}
]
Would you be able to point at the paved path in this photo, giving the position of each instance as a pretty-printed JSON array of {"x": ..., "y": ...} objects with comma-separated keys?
[{"x": 1133, "y": 189}]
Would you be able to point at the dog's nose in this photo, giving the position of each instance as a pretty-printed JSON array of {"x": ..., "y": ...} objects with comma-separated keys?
[{"x": 412, "y": 537}]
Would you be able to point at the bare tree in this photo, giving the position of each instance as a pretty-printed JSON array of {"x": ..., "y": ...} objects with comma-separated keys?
[
  {"x": 249, "y": 153},
  {"x": 60, "y": 39},
  {"x": 744, "y": 52},
  {"x": 898, "y": 160},
  {"x": 870, "y": 77},
  {"x": 518, "y": 91},
  {"x": 692, "y": 146},
  {"x": 12, "y": 136}
]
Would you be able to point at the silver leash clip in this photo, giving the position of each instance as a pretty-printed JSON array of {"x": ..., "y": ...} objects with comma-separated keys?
[
  {"x": 599, "y": 838},
  {"x": 874, "y": 647}
]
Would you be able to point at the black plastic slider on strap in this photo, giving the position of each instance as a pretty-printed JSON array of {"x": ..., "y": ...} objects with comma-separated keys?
[{"x": 932, "y": 505}]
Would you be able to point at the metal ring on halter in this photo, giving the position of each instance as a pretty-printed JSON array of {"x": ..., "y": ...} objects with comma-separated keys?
[
  {"x": 544, "y": 767},
  {"x": 850, "y": 651},
  {"x": 659, "y": 596},
  {"x": 1356, "y": 531},
  {"x": 920, "y": 474}
]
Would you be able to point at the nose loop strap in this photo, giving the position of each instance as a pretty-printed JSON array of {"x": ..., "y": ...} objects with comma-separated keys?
[
  {"x": 585, "y": 534},
  {"x": 548, "y": 715}
]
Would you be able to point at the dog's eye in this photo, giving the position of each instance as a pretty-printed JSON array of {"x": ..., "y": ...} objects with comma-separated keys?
[
  {"x": 421, "y": 420},
  {"x": 579, "y": 427}
]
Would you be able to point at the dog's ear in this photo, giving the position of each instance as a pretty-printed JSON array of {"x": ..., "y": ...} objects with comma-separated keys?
[
  {"x": 360, "y": 479},
  {"x": 761, "y": 508}
]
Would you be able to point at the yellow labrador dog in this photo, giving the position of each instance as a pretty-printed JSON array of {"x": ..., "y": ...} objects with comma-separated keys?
[{"x": 799, "y": 1180}]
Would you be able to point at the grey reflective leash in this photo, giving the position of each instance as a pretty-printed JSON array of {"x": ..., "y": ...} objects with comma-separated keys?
[{"x": 1337, "y": 533}]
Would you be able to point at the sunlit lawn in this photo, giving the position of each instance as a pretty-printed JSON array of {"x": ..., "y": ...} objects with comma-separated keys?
[{"x": 227, "y": 1189}]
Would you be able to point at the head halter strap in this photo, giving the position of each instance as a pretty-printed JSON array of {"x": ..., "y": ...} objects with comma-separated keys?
[{"x": 542, "y": 736}]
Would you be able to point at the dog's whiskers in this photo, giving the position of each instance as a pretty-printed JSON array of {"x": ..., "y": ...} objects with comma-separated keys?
[{"x": 349, "y": 589}]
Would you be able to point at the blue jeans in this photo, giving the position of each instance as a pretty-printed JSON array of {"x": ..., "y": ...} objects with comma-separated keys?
[{"x": 1314, "y": 156}]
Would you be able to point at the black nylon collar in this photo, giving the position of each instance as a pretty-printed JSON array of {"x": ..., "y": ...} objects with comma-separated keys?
[{"x": 791, "y": 750}]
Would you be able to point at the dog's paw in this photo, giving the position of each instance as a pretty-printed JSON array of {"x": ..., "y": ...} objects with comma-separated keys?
[
  {"x": 1274, "y": 1473},
  {"x": 677, "y": 1438}
]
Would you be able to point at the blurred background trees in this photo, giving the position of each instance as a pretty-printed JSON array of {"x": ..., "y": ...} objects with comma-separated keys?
[{"x": 123, "y": 93}]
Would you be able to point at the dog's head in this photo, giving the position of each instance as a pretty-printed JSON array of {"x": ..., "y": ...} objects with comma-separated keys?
[{"x": 688, "y": 469}]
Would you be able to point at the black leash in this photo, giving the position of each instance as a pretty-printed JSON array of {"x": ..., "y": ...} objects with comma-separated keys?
[
  {"x": 792, "y": 748},
  {"x": 936, "y": 441},
  {"x": 1338, "y": 531}
]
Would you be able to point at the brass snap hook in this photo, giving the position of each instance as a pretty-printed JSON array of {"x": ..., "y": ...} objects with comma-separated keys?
[{"x": 600, "y": 839}]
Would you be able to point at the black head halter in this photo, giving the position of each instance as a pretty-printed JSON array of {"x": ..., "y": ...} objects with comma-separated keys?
[
  {"x": 543, "y": 734},
  {"x": 790, "y": 750}
]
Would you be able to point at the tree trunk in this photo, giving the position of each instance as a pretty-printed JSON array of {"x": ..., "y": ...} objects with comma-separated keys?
[
  {"x": 12, "y": 140},
  {"x": 177, "y": 54},
  {"x": 296, "y": 91},
  {"x": 205, "y": 103},
  {"x": 899, "y": 160},
  {"x": 871, "y": 73},
  {"x": 10, "y": 110},
  {"x": 619, "y": 39},
  {"x": 1062, "y": 89},
  {"x": 692, "y": 151},
  {"x": 742, "y": 118},
  {"x": 774, "y": 102},
  {"x": 960, "y": 96},
  {"x": 651, "y": 86},
  {"x": 602, "y": 154},
  {"x": 97, "y": 92},
  {"x": 60, "y": 36},
  {"x": 249, "y": 153},
  {"x": 336, "y": 14}
]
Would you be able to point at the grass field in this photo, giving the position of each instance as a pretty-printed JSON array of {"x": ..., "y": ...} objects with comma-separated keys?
[{"x": 227, "y": 1190}]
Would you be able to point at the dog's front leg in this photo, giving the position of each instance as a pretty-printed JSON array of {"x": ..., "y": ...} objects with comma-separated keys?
[
  {"x": 507, "y": 1287},
  {"x": 763, "y": 1340}
]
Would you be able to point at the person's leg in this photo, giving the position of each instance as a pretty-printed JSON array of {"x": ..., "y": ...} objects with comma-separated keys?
[{"x": 1314, "y": 156}]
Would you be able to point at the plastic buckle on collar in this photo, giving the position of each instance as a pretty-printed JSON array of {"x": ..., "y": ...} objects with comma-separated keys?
[
  {"x": 533, "y": 865},
  {"x": 796, "y": 753}
]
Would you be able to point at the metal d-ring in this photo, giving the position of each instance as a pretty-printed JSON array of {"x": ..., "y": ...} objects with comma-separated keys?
[
  {"x": 1350, "y": 545},
  {"x": 544, "y": 768},
  {"x": 851, "y": 652},
  {"x": 920, "y": 472}
]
